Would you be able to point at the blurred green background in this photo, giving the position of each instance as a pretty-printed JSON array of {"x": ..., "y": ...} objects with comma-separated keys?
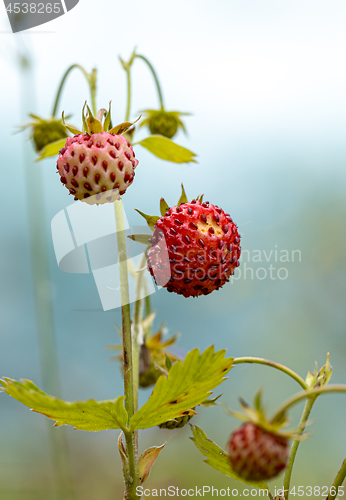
[{"x": 265, "y": 82}]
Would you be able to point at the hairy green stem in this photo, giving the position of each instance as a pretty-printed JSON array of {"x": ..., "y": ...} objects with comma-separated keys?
[
  {"x": 91, "y": 79},
  {"x": 137, "y": 317},
  {"x": 278, "y": 366},
  {"x": 128, "y": 106},
  {"x": 311, "y": 395},
  {"x": 138, "y": 56},
  {"x": 307, "y": 394},
  {"x": 306, "y": 413},
  {"x": 339, "y": 479},
  {"x": 131, "y": 475}
]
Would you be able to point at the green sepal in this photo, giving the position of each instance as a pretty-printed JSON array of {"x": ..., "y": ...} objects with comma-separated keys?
[
  {"x": 218, "y": 459},
  {"x": 71, "y": 129},
  {"x": 320, "y": 377},
  {"x": 52, "y": 149},
  {"x": 122, "y": 127},
  {"x": 85, "y": 126},
  {"x": 188, "y": 384},
  {"x": 164, "y": 207},
  {"x": 164, "y": 148},
  {"x": 140, "y": 238},
  {"x": 108, "y": 118},
  {"x": 151, "y": 219},
  {"x": 94, "y": 125},
  {"x": 88, "y": 415},
  {"x": 200, "y": 198},
  {"x": 183, "y": 197},
  {"x": 168, "y": 363},
  {"x": 211, "y": 401}
]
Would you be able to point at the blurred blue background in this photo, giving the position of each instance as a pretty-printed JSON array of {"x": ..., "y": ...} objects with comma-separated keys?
[{"x": 265, "y": 82}]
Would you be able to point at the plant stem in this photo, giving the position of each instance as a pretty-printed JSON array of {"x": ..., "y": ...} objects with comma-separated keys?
[
  {"x": 339, "y": 479},
  {"x": 131, "y": 476},
  {"x": 306, "y": 394},
  {"x": 306, "y": 413},
  {"x": 91, "y": 79},
  {"x": 311, "y": 395},
  {"x": 155, "y": 77},
  {"x": 128, "y": 107},
  {"x": 137, "y": 316},
  {"x": 278, "y": 366}
]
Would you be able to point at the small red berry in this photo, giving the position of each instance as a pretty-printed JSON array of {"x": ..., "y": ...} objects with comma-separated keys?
[{"x": 195, "y": 249}]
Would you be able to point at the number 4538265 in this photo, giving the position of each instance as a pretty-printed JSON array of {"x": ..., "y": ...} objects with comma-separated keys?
[
  {"x": 34, "y": 8},
  {"x": 317, "y": 491}
]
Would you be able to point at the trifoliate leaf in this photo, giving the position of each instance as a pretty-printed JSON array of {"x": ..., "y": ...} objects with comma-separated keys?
[
  {"x": 88, "y": 415},
  {"x": 183, "y": 197},
  {"x": 217, "y": 458},
  {"x": 189, "y": 383},
  {"x": 147, "y": 460},
  {"x": 140, "y": 238},
  {"x": 151, "y": 219},
  {"x": 52, "y": 149},
  {"x": 164, "y": 207},
  {"x": 164, "y": 148}
]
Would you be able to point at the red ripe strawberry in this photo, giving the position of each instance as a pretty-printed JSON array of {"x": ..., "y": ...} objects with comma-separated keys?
[
  {"x": 194, "y": 250},
  {"x": 97, "y": 164},
  {"x": 256, "y": 454}
]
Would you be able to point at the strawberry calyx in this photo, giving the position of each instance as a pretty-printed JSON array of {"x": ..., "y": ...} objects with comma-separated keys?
[
  {"x": 257, "y": 415},
  {"x": 101, "y": 123}
]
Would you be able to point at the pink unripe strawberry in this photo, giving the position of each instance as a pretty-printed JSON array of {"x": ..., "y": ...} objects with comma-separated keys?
[
  {"x": 256, "y": 454},
  {"x": 97, "y": 164}
]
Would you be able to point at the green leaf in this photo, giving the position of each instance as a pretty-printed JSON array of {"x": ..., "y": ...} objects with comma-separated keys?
[
  {"x": 189, "y": 383},
  {"x": 140, "y": 238},
  {"x": 183, "y": 197},
  {"x": 52, "y": 149},
  {"x": 151, "y": 219},
  {"x": 147, "y": 460},
  {"x": 164, "y": 148},
  {"x": 71, "y": 129},
  {"x": 88, "y": 415},
  {"x": 217, "y": 458},
  {"x": 164, "y": 207}
]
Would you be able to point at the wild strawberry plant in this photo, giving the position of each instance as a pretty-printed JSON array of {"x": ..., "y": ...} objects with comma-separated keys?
[{"x": 193, "y": 251}]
